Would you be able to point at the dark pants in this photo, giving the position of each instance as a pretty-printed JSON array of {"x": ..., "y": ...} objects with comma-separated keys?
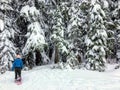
[{"x": 17, "y": 72}]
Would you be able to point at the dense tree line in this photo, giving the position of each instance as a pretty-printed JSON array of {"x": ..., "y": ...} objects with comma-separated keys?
[{"x": 72, "y": 33}]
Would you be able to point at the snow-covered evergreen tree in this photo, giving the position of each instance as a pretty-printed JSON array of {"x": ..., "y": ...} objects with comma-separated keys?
[
  {"x": 115, "y": 17},
  {"x": 58, "y": 32},
  {"x": 35, "y": 34},
  {"x": 74, "y": 34},
  {"x": 111, "y": 8},
  {"x": 46, "y": 8},
  {"x": 96, "y": 39},
  {"x": 7, "y": 48}
]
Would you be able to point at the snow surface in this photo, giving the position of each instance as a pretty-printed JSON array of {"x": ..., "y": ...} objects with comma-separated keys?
[{"x": 45, "y": 78}]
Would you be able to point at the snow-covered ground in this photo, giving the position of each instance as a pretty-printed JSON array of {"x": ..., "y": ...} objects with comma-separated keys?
[{"x": 45, "y": 78}]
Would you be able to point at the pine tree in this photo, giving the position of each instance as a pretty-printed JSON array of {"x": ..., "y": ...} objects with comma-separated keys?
[
  {"x": 74, "y": 34},
  {"x": 7, "y": 48},
  {"x": 112, "y": 25},
  {"x": 46, "y": 8},
  {"x": 58, "y": 32},
  {"x": 96, "y": 39},
  {"x": 20, "y": 25},
  {"x": 115, "y": 18},
  {"x": 35, "y": 34}
]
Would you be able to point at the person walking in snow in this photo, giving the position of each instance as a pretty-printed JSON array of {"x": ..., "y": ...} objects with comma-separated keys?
[{"x": 17, "y": 67}]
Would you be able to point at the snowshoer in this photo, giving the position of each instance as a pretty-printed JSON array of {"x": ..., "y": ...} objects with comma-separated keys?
[{"x": 17, "y": 67}]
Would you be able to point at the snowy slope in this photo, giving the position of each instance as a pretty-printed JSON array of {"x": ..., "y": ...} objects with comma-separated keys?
[{"x": 44, "y": 78}]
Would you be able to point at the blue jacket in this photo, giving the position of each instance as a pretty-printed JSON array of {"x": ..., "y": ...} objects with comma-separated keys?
[{"x": 17, "y": 63}]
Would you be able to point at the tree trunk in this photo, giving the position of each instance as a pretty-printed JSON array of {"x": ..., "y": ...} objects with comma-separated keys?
[
  {"x": 38, "y": 58},
  {"x": 56, "y": 54},
  {"x": 29, "y": 60}
]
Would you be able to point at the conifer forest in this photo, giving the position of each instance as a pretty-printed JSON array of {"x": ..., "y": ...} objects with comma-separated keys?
[{"x": 70, "y": 33}]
